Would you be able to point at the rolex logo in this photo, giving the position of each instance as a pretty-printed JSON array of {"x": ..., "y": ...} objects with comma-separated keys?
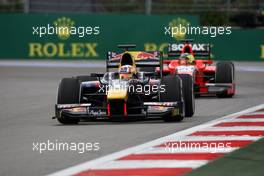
[
  {"x": 63, "y": 26},
  {"x": 179, "y": 23}
]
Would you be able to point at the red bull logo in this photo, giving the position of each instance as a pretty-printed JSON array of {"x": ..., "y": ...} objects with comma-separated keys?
[
  {"x": 145, "y": 55},
  {"x": 116, "y": 57}
]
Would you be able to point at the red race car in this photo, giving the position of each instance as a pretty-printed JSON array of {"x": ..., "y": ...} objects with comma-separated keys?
[{"x": 194, "y": 59}]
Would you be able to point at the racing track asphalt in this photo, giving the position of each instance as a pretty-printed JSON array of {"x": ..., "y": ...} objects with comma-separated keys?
[{"x": 27, "y": 97}]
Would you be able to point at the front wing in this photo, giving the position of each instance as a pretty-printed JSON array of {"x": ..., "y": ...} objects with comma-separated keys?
[
  {"x": 86, "y": 111},
  {"x": 216, "y": 88}
]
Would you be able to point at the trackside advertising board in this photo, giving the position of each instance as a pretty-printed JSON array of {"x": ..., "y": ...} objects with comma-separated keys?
[{"x": 86, "y": 36}]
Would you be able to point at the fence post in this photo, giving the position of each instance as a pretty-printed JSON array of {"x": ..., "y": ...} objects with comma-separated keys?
[{"x": 148, "y": 4}]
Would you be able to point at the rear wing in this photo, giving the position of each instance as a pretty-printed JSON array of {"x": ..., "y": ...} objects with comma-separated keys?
[
  {"x": 142, "y": 59},
  {"x": 197, "y": 49}
]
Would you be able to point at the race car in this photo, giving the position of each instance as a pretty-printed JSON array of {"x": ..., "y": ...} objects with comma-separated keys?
[
  {"x": 124, "y": 92},
  {"x": 194, "y": 59}
]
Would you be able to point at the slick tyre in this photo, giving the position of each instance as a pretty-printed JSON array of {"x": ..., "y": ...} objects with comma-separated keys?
[
  {"x": 68, "y": 93},
  {"x": 225, "y": 73},
  {"x": 84, "y": 78},
  {"x": 148, "y": 69},
  {"x": 188, "y": 94},
  {"x": 172, "y": 93}
]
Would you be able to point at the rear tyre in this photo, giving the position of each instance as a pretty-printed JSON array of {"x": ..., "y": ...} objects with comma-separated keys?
[
  {"x": 84, "y": 78},
  {"x": 232, "y": 64},
  {"x": 225, "y": 73},
  {"x": 148, "y": 69},
  {"x": 172, "y": 93},
  {"x": 68, "y": 93},
  {"x": 188, "y": 93}
]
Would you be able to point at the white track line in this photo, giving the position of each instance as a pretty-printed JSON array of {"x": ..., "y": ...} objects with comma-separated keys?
[
  {"x": 220, "y": 138},
  {"x": 235, "y": 128},
  {"x": 176, "y": 136},
  {"x": 255, "y": 113},
  {"x": 139, "y": 164},
  {"x": 247, "y": 120},
  {"x": 53, "y": 64},
  {"x": 193, "y": 149},
  {"x": 250, "y": 68}
]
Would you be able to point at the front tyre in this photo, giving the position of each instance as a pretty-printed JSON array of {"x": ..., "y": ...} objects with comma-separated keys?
[
  {"x": 84, "y": 78},
  {"x": 225, "y": 73},
  {"x": 68, "y": 93},
  {"x": 172, "y": 93},
  {"x": 188, "y": 93}
]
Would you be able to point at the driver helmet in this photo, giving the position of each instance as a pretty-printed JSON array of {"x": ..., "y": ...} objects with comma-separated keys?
[
  {"x": 126, "y": 72},
  {"x": 188, "y": 57}
]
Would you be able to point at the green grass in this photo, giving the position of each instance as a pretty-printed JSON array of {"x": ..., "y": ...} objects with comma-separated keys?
[{"x": 248, "y": 161}]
